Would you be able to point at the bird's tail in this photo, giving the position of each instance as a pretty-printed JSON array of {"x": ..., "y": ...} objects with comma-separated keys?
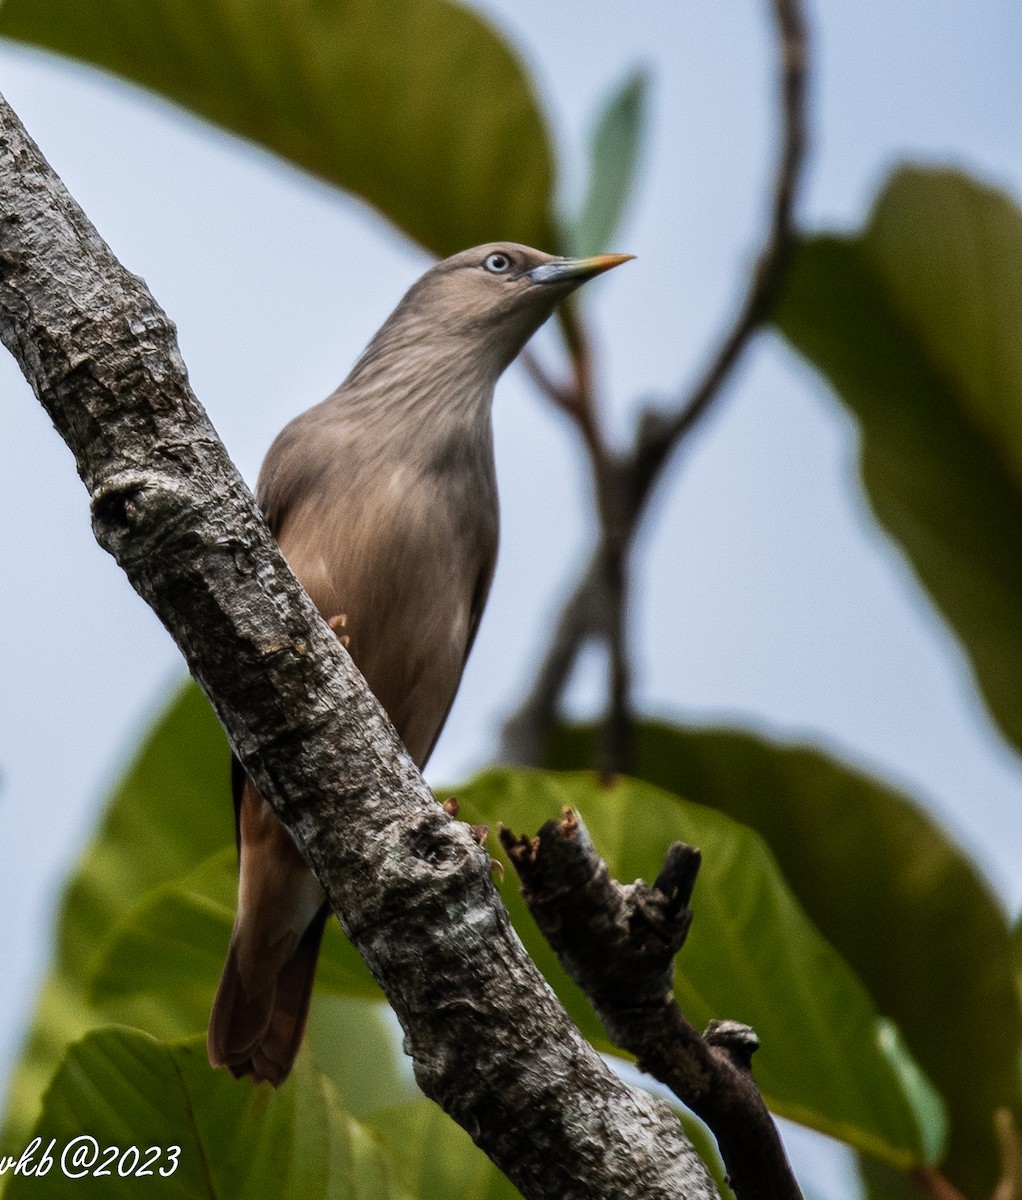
[{"x": 262, "y": 1003}]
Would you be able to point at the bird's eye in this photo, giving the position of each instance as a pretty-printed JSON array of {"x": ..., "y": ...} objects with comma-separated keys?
[{"x": 497, "y": 263}]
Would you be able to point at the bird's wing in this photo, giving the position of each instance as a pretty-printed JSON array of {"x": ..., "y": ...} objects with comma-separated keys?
[
  {"x": 293, "y": 465},
  {"x": 479, "y": 595}
]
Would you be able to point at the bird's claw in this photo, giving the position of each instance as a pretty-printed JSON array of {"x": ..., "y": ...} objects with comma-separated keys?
[{"x": 337, "y": 624}]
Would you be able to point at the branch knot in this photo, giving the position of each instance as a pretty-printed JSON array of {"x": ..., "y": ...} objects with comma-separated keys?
[
  {"x": 739, "y": 1042},
  {"x": 116, "y": 504},
  {"x": 134, "y": 513}
]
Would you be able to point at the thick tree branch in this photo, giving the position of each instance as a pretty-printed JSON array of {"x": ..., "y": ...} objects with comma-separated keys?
[
  {"x": 618, "y": 943},
  {"x": 411, "y": 887},
  {"x": 660, "y": 433}
]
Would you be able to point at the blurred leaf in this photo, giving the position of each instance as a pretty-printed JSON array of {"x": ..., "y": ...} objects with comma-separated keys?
[
  {"x": 915, "y": 323},
  {"x": 181, "y": 931},
  {"x": 925, "y": 1099},
  {"x": 357, "y": 1045},
  {"x": 613, "y": 156},
  {"x": 417, "y": 106},
  {"x": 178, "y": 932},
  {"x": 698, "y": 1133},
  {"x": 888, "y": 890},
  {"x": 880, "y": 1182},
  {"x": 436, "y": 1159},
  {"x": 1017, "y": 939},
  {"x": 751, "y": 956},
  {"x": 170, "y": 811},
  {"x": 125, "y": 1089}
]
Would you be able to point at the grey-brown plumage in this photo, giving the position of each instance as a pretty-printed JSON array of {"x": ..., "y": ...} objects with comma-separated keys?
[{"x": 384, "y": 501}]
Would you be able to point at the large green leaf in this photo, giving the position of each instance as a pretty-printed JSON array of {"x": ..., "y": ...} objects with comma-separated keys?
[
  {"x": 124, "y": 1089},
  {"x": 880, "y": 1182},
  {"x": 752, "y": 955},
  {"x": 1017, "y": 938},
  {"x": 915, "y": 323},
  {"x": 180, "y": 931},
  {"x": 170, "y": 811},
  {"x": 144, "y": 925},
  {"x": 436, "y": 1159},
  {"x": 357, "y": 1045},
  {"x": 613, "y": 157},
  {"x": 889, "y": 890},
  {"x": 415, "y": 105}
]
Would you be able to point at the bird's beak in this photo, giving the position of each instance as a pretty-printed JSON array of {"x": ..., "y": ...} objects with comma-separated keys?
[{"x": 576, "y": 270}]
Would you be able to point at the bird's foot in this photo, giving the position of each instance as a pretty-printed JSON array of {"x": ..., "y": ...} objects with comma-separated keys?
[
  {"x": 479, "y": 835},
  {"x": 337, "y": 624}
]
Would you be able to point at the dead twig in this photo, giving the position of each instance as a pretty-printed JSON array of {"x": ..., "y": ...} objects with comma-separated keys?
[{"x": 618, "y": 943}]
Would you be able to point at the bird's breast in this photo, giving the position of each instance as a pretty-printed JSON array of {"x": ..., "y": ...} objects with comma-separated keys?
[{"x": 402, "y": 552}]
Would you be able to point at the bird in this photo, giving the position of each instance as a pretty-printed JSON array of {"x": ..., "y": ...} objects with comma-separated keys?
[{"x": 383, "y": 500}]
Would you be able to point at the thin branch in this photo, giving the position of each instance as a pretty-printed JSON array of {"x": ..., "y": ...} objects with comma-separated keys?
[
  {"x": 934, "y": 1185},
  {"x": 576, "y": 399},
  {"x": 521, "y": 739},
  {"x": 659, "y": 433},
  {"x": 768, "y": 276},
  {"x": 560, "y": 395},
  {"x": 618, "y": 943},
  {"x": 1009, "y": 1143},
  {"x": 616, "y": 749},
  {"x": 612, "y": 558},
  {"x": 411, "y": 886}
]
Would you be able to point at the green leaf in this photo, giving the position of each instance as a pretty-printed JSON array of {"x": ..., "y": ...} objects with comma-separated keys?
[
  {"x": 752, "y": 955},
  {"x": 181, "y": 930},
  {"x": 915, "y": 323},
  {"x": 924, "y": 1098},
  {"x": 357, "y": 1045},
  {"x": 889, "y": 891},
  {"x": 436, "y": 1159},
  {"x": 125, "y": 1089},
  {"x": 879, "y": 1182},
  {"x": 613, "y": 157},
  {"x": 170, "y": 811},
  {"x": 1017, "y": 939},
  {"x": 417, "y": 106}
]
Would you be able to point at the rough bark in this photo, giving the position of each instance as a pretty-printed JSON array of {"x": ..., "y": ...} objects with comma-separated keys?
[
  {"x": 618, "y": 943},
  {"x": 489, "y": 1041}
]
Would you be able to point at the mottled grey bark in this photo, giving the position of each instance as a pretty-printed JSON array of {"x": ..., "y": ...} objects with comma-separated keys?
[
  {"x": 618, "y": 942},
  {"x": 490, "y": 1042}
]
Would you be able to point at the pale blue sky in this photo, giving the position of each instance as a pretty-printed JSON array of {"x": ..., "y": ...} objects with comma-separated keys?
[{"x": 764, "y": 594}]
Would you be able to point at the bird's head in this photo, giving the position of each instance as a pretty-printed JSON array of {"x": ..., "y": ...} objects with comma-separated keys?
[{"x": 488, "y": 301}]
